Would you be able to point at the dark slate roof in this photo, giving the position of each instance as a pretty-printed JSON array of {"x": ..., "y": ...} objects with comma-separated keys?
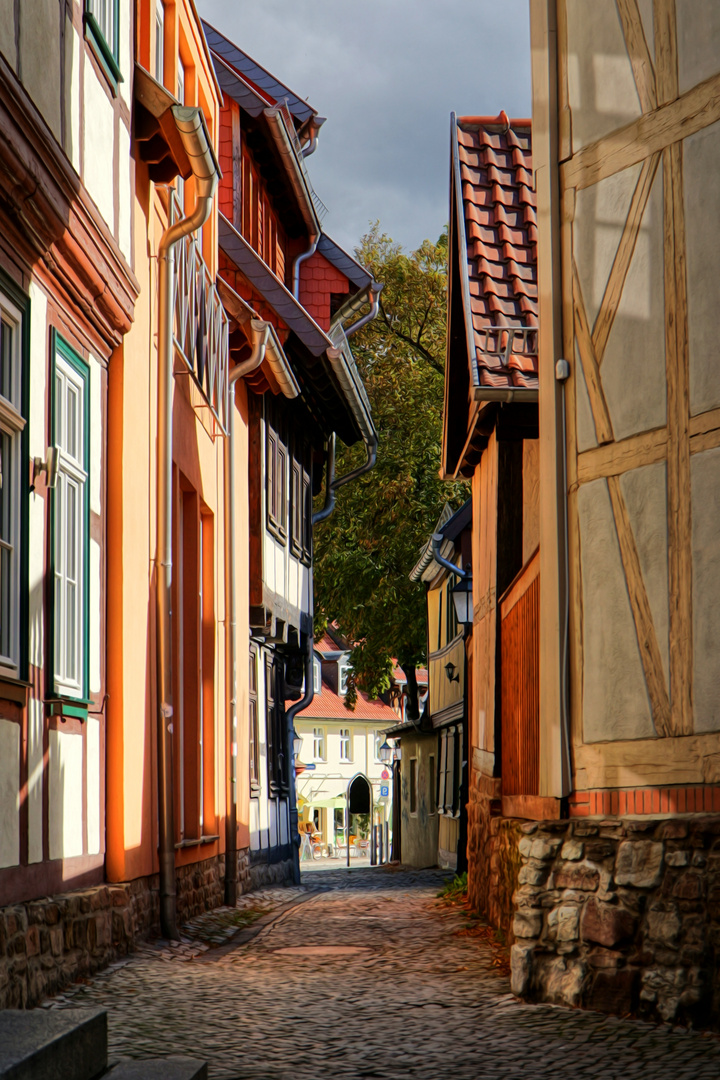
[
  {"x": 497, "y": 235},
  {"x": 271, "y": 288},
  {"x": 256, "y": 74},
  {"x": 343, "y": 262},
  {"x": 232, "y": 84},
  {"x": 461, "y": 520}
]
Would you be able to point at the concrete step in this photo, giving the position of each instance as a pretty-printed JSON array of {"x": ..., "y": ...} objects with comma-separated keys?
[
  {"x": 171, "y": 1068},
  {"x": 53, "y": 1044}
]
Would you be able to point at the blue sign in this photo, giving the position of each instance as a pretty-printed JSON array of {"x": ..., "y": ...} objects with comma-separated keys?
[
  {"x": 311, "y": 766},
  {"x": 384, "y": 791}
]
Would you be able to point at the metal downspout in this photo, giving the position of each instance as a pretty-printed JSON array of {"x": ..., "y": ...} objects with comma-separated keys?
[
  {"x": 374, "y": 301},
  {"x": 290, "y": 715},
  {"x": 299, "y": 260},
  {"x": 193, "y": 133},
  {"x": 329, "y": 504},
  {"x": 260, "y": 331},
  {"x": 437, "y": 539},
  {"x": 371, "y": 450}
]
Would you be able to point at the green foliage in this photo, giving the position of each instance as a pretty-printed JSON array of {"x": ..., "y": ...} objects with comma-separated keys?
[
  {"x": 455, "y": 890},
  {"x": 366, "y": 549}
]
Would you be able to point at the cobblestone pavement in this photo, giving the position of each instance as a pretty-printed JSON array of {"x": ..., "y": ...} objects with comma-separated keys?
[{"x": 362, "y": 973}]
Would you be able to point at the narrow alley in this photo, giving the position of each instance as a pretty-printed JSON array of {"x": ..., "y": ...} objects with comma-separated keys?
[{"x": 362, "y": 973}]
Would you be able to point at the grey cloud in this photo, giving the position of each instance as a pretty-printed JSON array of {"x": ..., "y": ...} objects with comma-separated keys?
[{"x": 387, "y": 74}]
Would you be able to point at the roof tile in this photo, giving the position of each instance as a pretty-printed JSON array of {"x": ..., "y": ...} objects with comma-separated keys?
[{"x": 499, "y": 208}]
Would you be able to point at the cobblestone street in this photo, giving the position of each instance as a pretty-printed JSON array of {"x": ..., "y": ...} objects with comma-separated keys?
[{"x": 362, "y": 973}]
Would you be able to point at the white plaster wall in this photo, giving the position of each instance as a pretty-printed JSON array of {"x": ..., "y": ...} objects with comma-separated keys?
[
  {"x": 94, "y": 617},
  {"x": 9, "y": 793},
  {"x": 254, "y": 825},
  {"x": 125, "y": 169},
  {"x": 7, "y": 32},
  {"x": 698, "y": 23},
  {"x": 36, "y": 723},
  {"x": 269, "y": 561},
  {"x": 705, "y": 482},
  {"x": 98, "y": 149},
  {"x": 94, "y": 765},
  {"x": 701, "y": 160},
  {"x": 125, "y": 22},
  {"x": 40, "y": 58},
  {"x": 293, "y": 581},
  {"x": 645, "y": 493},
  {"x": 38, "y": 448},
  {"x": 601, "y": 85},
  {"x": 72, "y": 95},
  {"x": 615, "y": 700},
  {"x": 65, "y": 795}
]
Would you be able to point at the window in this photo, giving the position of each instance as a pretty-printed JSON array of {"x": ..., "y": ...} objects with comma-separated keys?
[
  {"x": 432, "y": 781},
  {"x": 274, "y": 734},
  {"x": 179, "y": 182},
  {"x": 379, "y": 740},
  {"x": 345, "y": 744},
  {"x": 12, "y": 495},
  {"x": 277, "y": 499},
  {"x": 449, "y": 793},
  {"x": 413, "y": 785},
  {"x": 343, "y": 669},
  {"x": 301, "y": 503},
  {"x": 193, "y": 660},
  {"x": 317, "y": 676},
  {"x": 103, "y": 31},
  {"x": 71, "y": 522},
  {"x": 319, "y": 744},
  {"x": 160, "y": 42},
  {"x": 253, "y": 718}
]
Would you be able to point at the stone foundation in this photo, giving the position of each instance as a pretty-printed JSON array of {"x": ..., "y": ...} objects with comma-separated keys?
[
  {"x": 263, "y": 874},
  {"x": 46, "y": 944},
  {"x": 619, "y": 915}
]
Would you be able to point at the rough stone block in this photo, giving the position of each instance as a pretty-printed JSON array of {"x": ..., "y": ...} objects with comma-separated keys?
[
  {"x": 520, "y": 967},
  {"x": 606, "y": 924},
  {"x": 677, "y": 858},
  {"x": 32, "y": 940},
  {"x": 578, "y": 876},
  {"x": 57, "y": 940},
  {"x": 563, "y": 921},
  {"x": 531, "y": 875},
  {"x": 562, "y": 981},
  {"x": 597, "y": 850},
  {"x": 572, "y": 850},
  {"x": 45, "y": 1045},
  {"x": 605, "y": 958},
  {"x": 663, "y": 925},
  {"x": 688, "y": 887},
  {"x": 527, "y": 923},
  {"x": 543, "y": 848},
  {"x": 639, "y": 863}
]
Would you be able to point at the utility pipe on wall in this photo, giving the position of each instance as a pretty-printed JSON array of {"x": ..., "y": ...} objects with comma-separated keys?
[
  {"x": 440, "y": 559},
  {"x": 190, "y": 124},
  {"x": 290, "y": 715},
  {"x": 299, "y": 260},
  {"x": 260, "y": 332},
  {"x": 329, "y": 504}
]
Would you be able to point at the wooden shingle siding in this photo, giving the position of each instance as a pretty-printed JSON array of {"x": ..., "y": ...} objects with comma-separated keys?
[{"x": 520, "y": 654}]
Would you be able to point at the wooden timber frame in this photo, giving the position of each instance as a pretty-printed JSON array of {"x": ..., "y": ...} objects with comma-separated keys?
[{"x": 653, "y": 145}]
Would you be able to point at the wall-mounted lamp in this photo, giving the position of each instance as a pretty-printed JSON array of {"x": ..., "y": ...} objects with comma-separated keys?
[
  {"x": 297, "y": 744},
  {"x": 462, "y": 595},
  {"x": 450, "y": 671},
  {"x": 49, "y": 467}
]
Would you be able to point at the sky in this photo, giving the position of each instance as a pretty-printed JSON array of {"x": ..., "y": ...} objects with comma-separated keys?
[{"x": 386, "y": 74}]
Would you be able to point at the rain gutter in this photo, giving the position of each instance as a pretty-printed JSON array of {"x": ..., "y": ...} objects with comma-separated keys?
[{"x": 190, "y": 125}]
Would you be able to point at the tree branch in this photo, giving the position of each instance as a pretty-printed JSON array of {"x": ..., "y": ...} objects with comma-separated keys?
[{"x": 426, "y": 355}]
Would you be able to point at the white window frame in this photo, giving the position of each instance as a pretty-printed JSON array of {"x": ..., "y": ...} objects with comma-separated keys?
[
  {"x": 379, "y": 739},
  {"x": 345, "y": 744},
  {"x": 105, "y": 14},
  {"x": 160, "y": 42},
  {"x": 343, "y": 668},
  {"x": 69, "y": 677},
  {"x": 12, "y": 424},
  {"x": 319, "y": 744},
  {"x": 317, "y": 676}
]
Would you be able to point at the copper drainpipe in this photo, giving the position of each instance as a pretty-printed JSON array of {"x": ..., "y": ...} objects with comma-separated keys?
[
  {"x": 260, "y": 332},
  {"x": 190, "y": 125}
]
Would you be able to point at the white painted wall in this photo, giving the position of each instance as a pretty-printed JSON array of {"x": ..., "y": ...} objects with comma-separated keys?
[
  {"x": 93, "y": 785},
  {"x": 36, "y": 724},
  {"x": 38, "y": 448},
  {"x": 99, "y": 146},
  {"x": 65, "y": 795},
  {"x": 40, "y": 59},
  {"x": 9, "y": 793},
  {"x": 73, "y": 46}
]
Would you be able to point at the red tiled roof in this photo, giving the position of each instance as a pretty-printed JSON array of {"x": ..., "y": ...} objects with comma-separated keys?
[
  {"x": 500, "y": 226},
  {"x": 329, "y": 705},
  {"x": 420, "y": 674},
  {"x": 327, "y": 645}
]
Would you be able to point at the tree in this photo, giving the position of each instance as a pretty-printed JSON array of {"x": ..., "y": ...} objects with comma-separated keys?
[{"x": 365, "y": 551}]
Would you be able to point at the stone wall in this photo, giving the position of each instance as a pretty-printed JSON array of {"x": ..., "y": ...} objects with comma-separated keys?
[
  {"x": 263, "y": 874},
  {"x": 616, "y": 915},
  {"x": 46, "y": 944}
]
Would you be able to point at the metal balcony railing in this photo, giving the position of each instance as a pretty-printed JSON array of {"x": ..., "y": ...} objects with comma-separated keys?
[{"x": 200, "y": 325}]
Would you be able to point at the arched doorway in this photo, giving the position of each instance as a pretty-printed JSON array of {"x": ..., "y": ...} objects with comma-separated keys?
[{"x": 359, "y": 801}]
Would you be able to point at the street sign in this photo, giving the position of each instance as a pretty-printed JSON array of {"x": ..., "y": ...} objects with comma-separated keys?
[
  {"x": 311, "y": 766},
  {"x": 384, "y": 791},
  {"x": 385, "y": 775}
]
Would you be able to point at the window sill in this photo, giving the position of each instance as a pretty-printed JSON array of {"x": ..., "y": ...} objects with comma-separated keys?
[
  {"x": 196, "y": 843},
  {"x": 12, "y": 689},
  {"x": 96, "y": 40},
  {"x": 64, "y": 707}
]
